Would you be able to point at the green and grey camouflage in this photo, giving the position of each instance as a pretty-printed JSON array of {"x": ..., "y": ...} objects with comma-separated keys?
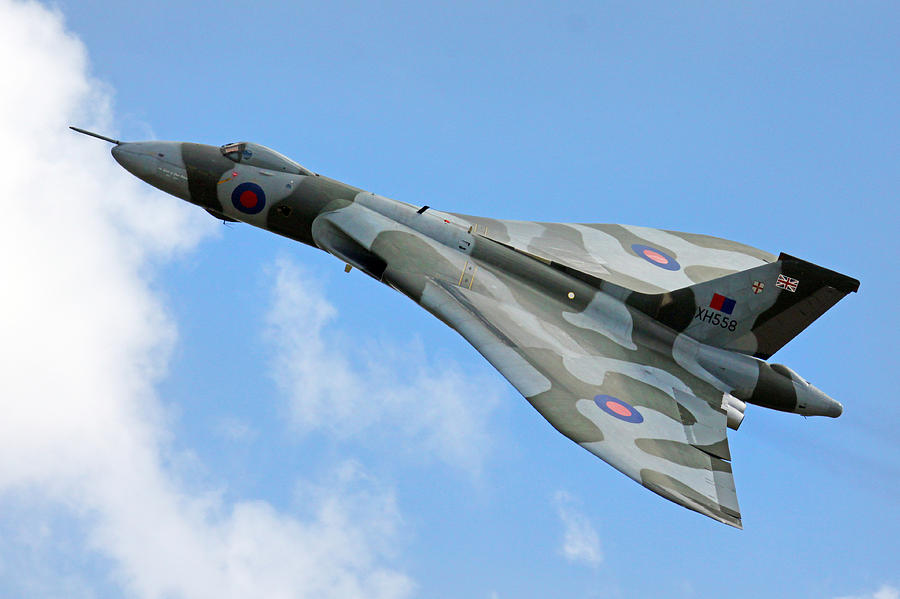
[{"x": 641, "y": 345}]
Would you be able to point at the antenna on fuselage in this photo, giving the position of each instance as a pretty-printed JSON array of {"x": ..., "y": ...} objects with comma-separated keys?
[{"x": 97, "y": 135}]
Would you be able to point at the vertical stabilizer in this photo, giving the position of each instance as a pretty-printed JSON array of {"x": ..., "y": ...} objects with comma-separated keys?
[
  {"x": 756, "y": 311},
  {"x": 805, "y": 292}
]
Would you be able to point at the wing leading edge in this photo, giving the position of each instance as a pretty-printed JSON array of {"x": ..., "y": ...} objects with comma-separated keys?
[
  {"x": 642, "y": 414},
  {"x": 641, "y": 259}
]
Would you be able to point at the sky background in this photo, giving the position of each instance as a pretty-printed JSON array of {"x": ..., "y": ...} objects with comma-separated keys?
[{"x": 192, "y": 409}]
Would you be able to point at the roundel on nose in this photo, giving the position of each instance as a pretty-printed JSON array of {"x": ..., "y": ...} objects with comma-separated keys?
[{"x": 248, "y": 198}]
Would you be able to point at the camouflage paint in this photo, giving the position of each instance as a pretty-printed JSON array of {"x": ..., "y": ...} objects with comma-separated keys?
[{"x": 573, "y": 315}]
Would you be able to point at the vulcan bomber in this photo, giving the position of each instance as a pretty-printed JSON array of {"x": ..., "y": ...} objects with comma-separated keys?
[{"x": 643, "y": 346}]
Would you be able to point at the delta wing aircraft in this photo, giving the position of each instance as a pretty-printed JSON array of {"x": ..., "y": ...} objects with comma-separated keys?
[{"x": 641, "y": 345}]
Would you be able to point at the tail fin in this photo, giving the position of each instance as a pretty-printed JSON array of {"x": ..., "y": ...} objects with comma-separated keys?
[{"x": 755, "y": 311}]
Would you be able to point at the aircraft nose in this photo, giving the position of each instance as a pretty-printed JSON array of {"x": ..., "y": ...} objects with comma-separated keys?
[
  {"x": 133, "y": 160},
  {"x": 142, "y": 158},
  {"x": 159, "y": 163}
]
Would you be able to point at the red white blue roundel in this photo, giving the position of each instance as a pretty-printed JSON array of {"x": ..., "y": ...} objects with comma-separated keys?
[
  {"x": 655, "y": 256},
  {"x": 618, "y": 408},
  {"x": 249, "y": 198}
]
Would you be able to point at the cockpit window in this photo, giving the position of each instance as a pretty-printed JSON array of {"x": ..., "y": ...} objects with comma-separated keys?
[
  {"x": 233, "y": 151},
  {"x": 260, "y": 156}
]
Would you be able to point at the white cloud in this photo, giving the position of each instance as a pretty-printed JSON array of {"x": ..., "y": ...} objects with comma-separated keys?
[
  {"x": 884, "y": 592},
  {"x": 343, "y": 384},
  {"x": 580, "y": 540},
  {"x": 83, "y": 441}
]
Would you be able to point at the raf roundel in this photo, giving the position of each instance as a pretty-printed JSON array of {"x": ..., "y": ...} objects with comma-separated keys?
[
  {"x": 249, "y": 198},
  {"x": 618, "y": 408},
  {"x": 655, "y": 256}
]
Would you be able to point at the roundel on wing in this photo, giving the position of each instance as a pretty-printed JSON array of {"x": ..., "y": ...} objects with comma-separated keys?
[
  {"x": 249, "y": 198},
  {"x": 655, "y": 256},
  {"x": 618, "y": 408}
]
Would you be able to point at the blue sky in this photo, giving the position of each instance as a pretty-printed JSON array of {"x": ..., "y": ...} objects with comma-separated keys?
[{"x": 205, "y": 410}]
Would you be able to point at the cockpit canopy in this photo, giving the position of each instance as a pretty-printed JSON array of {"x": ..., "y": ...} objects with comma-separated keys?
[{"x": 260, "y": 156}]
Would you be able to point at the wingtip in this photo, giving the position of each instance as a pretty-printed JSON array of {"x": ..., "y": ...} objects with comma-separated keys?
[
  {"x": 723, "y": 515},
  {"x": 717, "y": 512},
  {"x": 734, "y": 522}
]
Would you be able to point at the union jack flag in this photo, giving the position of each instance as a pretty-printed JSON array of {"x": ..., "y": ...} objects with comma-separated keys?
[{"x": 787, "y": 283}]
